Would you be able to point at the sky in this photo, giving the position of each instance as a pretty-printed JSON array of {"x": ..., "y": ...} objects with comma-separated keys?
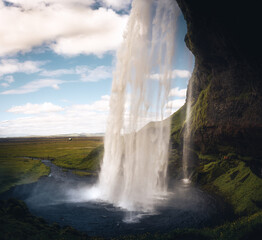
[{"x": 56, "y": 63}]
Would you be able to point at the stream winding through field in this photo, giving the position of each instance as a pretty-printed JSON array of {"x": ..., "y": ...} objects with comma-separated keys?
[{"x": 187, "y": 206}]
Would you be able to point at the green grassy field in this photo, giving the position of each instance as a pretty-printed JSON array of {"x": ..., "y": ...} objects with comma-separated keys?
[
  {"x": 20, "y": 164},
  {"x": 20, "y": 157}
]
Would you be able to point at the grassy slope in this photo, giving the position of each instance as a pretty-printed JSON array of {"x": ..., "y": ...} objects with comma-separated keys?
[
  {"x": 233, "y": 180},
  {"x": 17, "y": 167},
  {"x": 226, "y": 174},
  {"x": 16, "y": 171}
]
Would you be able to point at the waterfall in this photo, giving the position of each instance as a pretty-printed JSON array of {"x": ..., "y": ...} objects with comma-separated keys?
[
  {"x": 187, "y": 136},
  {"x": 134, "y": 168}
]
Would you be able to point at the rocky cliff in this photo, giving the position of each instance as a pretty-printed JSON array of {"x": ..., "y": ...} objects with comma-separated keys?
[
  {"x": 226, "y": 106},
  {"x": 227, "y": 79}
]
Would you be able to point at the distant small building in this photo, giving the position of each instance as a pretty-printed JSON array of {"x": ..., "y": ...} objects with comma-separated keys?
[{"x": 69, "y": 139}]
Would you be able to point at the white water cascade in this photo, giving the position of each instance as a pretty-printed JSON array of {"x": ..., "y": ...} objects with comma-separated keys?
[
  {"x": 134, "y": 168},
  {"x": 187, "y": 137}
]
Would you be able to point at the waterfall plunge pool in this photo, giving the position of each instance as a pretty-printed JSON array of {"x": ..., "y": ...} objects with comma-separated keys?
[{"x": 65, "y": 198}]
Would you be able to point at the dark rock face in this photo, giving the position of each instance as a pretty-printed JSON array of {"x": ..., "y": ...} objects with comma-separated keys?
[{"x": 226, "y": 83}]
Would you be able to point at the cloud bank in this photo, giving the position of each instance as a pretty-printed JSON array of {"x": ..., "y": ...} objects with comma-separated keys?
[
  {"x": 81, "y": 73},
  {"x": 49, "y": 119},
  {"x": 68, "y": 27},
  {"x": 10, "y": 66},
  {"x": 30, "y": 108}
]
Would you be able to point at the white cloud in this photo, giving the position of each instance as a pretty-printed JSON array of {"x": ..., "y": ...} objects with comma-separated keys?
[
  {"x": 54, "y": 123},
  {"x": 176, "y": 92},
  {"x": 12, "y": 66},
  {"x": 7, "y": 81},
  {"x": 50, "y": 119},
  {"x": 5, "y": 84},
  {"x": 57, "y": 72},
  {"x": 82, "y": 118},
  {"x": 174, "y": 105},
  {"x": 67, "y": 28},
  {"x": 181, "y": 73},
  {"x": 86, "y": 74},
  {"x": 176, "y": 73},
  {"x": 29, "y": 4},
  {"x": 30, "y": 108},
  {"x": 94, "y": 75},
  {"x": 35, "y": 86},
  {"x": 88, "y": 118},
  {"x": 101, "y": 105},
  {"x": 9, "y": 66},
  {"x": 117, "y": 4}
]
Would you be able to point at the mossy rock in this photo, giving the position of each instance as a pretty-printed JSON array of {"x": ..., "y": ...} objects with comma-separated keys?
[
  {"x": 232, "y": 179},
  {"x": 199, "y": 111}
]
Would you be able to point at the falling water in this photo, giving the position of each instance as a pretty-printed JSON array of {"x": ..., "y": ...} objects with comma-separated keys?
[
  {"x": 187, "y": 136},
  {"x": 134, "y": 168}
]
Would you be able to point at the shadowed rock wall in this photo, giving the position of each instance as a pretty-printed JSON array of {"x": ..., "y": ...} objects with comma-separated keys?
[{"x": 226, "y": 82}]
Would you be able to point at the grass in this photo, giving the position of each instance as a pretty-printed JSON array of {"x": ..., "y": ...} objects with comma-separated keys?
[
  {"x": 83, "y": 173},
  {"x": 178, "y": 120},
  {"x": 16, "y": 171},
  {"x": 199, "y": 110},
  {"x": 225, "y": 173},
  {"x": 231, "y": 178},
  {"x": 242, "y": 188},
  {"x": 20, "y": 157}
]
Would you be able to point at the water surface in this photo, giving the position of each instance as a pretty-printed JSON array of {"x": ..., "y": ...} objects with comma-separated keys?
[{"x": 51, "y": 198}]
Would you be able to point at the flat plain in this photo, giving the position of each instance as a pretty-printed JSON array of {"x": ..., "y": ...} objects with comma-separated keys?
[{"x": 20, "y": 158}]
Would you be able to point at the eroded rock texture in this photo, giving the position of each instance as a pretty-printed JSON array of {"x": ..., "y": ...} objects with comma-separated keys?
[{"x": 225, "y": 37}]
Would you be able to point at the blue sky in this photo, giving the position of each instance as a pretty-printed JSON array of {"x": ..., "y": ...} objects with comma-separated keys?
[{"x": 56, "y": 64}]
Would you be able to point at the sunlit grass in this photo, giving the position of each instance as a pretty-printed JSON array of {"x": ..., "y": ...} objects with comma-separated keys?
[
  {"x": 16, "y": 171},
  {"x": 20, "y": 158}
]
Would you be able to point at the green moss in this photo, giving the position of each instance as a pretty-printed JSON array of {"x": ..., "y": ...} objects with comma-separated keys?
[
  {"x": 233, "y": 180},
  {"x": 205, "y": 157},
  {"x": 199, "y": 110},
  {"x": 178, "y": 120},
  {"x": 243, "y": 191}
]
